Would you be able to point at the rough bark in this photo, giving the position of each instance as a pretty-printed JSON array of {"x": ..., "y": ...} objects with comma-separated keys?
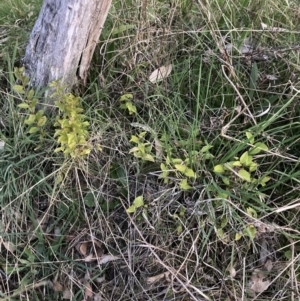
[{"x": 63, "y": 40}]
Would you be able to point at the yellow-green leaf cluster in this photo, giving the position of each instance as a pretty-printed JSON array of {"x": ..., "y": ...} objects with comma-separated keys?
[
  {"x": 180, "y": 168},
  {"x": 137, "y": 203},
  {"x": 142, "y": 150},
  {"x": 243, "y": 166},
  {"x": 126, "y": 100},
  {"x": 249, "y": 231},
  {"x": 72, "y": 128}
]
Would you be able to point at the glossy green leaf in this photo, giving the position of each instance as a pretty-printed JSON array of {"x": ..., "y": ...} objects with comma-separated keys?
[
  {"x": 176, "y": 160},
  {"x": 85, "y": 151},
  {"x": 30, "y": 94},
  {"x": 224, "y": 222},
  {"x": 182, "y": 212},
  {"x": 181, "y": 168},
  {"x": 33, "y": 130},
  {"x": 251, "y": 212},
  {"x": 250, "y": 137},
  {"x": 134, "y": 139},
  {"x": 23, "y": 105},
  {"x": 148, "y": 157},
  {"x": 131, "y": 108},
  {"x": 250, "y": 231},
  {"x": 226, "y": 181},
  {"x": 206, "y": 148},
  {"x": 246, "y": 159},
  {"x": 59, "y": 149},
  {"x": 238, "y": 236},
  {"x": 19, "y": 89},
  {"x": 258, "y": 147},
  {"x": 288, "y": 254},
  {"x": 126, "y": 97},
  {"x": 30, "y": 120},
  {"x": 33, "y": 103},
  {"x": 231, "y": 164},
  {"x": 208, "y": 156},
  {"x": 25, "y": 81},
  {"x": 131, "y": 209},
  {"x": 163, "y": 167},
  {"x": 189, "y": 173},
  {"x": 219, "y": 168},
  {"x": 220, "y": 232},
  {"x": 138, "y": 201},
  {"x": 184, "y": 185},
  {"x": 179, "y": 229},
  {"x": 236, "y": 164},
  {"x": 42, "y": 121},
  {"x": 264, "y": 180},
  {"x": 134, "y": 149},
  {"x": 253, "y": 166},
  {"x": 245, "y": 175},
  {"x": 142, "y": 134}
]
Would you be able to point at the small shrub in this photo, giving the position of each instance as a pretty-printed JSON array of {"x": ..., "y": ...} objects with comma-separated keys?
[{"x": 72, "y": 128}]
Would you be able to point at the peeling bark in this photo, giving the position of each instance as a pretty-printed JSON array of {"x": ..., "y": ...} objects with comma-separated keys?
[{"x": 63, "y": 40}]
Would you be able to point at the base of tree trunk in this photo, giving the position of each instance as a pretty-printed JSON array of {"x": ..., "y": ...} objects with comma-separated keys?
[{"x": 63, "y": 41}]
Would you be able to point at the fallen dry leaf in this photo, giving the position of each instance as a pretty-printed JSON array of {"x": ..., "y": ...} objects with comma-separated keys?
[
  {"x": 100, "y": 279},
  {"x": 90, "y": 258},
  {"x": 57, "y": 287},
  {"x": 158, "y": 277},
  {"x": 83, "y": 248},
  {"x": 271, "y": 77},
  {"x": 90, "y": 250},
  {"x": 258, "y": 284},
  {"x": 273, "y": 29},
  {"x": 88, "y": 292},
  {"x": 98, "y": 297},
  {"x": 107, "y": 258},
  {"x": 268, "y": 265},
  {"x": 264, "y": 252},
  {"x": 160, "y": 73},
  {"x": 9, "y": 246},
  {"x": 67, "y": 294},
  {"x": 232, "y": 271}
]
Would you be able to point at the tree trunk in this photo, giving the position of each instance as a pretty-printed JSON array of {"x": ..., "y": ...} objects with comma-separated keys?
[{"x": 63, "y": 40}]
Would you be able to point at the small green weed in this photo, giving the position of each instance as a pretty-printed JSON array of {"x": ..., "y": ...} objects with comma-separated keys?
[
  {"x": 143, "y": 148},
  {"x": 35, "y": 120},
  {"x": 243, "y": 167},
  {"x": 178, "y": 168},
  {"x": 137, "y": 203},
  {"x": 126, "y": 100}
]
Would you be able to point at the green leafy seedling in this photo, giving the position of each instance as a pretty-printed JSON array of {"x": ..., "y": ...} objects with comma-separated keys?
[
  {"x": 244, "y": 166},
  {"x": 137, "y": 203},
  {"x": 126, "y": 100},
  {"x": 35, "y": 120},
  {"x": 142, "y": 150}
]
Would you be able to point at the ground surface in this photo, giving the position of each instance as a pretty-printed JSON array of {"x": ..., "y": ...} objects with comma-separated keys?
[{"x": 191, "y": 187}]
